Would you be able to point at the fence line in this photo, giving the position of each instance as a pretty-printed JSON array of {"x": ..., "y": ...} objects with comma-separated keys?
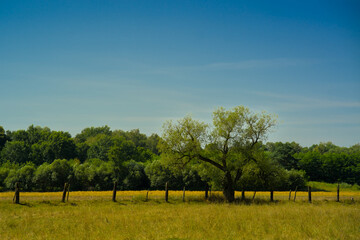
[{"x": 175, "y": 195}]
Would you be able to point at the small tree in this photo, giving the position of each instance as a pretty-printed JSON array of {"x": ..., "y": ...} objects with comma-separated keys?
[
  {"x": 42, "y": 177},
  {"x": 136, "y": 178},
  {"x": 226, "y": 147}
]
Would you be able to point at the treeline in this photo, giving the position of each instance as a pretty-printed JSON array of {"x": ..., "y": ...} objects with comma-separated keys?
[
  {"x": 43, "y": 160},
  {"x": 324, "y": 162}
]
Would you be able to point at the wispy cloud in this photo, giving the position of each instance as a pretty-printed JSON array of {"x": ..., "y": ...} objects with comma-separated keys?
[
  {"x": 298, "y": 102},
  {"x": 237, "y": 65},
  {"x": 260, "y": 63},
  {"x": 339, "y": 120}
]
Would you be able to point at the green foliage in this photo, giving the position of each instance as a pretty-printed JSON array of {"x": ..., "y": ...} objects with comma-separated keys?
[
  {"x": 229, "y": 144},
  {"x": 60, "y": 173},
  {"x": 19, "y": 135},
  {"x": 324, "y": 148},
  {"x": 135, "y": 177},
  {"x": 4, "y": 172},
  {"x": 41, "y": 152},
  {"x": 92, "y": 132},
  {"x": 101, "y": 157},
  {"x": 99, "y": 146},
  {"x": 42, "y": 178},
  {"x": 152, "y": 143},
  {"x": 331, "y": 164},
  {"x": 230, "y": 151},
  {"x": 25, "y": 176},
  {"x": 11, "y": 179},
  {"x": 82, "y": 151},
  {"x": 136, "y": 137},
  {"x": 296, "y": 178},
  {"x": 3, "y": 138},
  {"x": 84, "y": 175},
  {"x": 283, "y": 153},
  {"x": 311, "y": 163},
  {"x": 15, "y": 151},
  {"x": 122, "y": 152},
  {"x": 105, "y": 174},
  {"x": 264, "y": 174},
  {"x": 37, "y": 134},
  {"x": 62, "y": 145},
  {"x": 159, "y": 173}
]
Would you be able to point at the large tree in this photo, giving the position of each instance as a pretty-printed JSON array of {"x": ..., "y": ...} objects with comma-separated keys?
[{"x": 226, "y": 147}]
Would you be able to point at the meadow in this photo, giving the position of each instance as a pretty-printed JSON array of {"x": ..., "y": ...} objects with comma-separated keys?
[{"x": 92, "y": 215}]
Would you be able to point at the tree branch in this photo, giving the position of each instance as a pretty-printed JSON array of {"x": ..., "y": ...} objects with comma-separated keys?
[
  {"x": 202, "y": 158},
  {"x": 238, "y": 175}
]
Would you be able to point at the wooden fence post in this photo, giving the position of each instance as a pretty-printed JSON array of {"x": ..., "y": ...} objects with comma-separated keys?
[
  {"x": 271, "y": 196},
  {"x": 114, "y": 192},
  {"x": 309, "y": 193},
  {"x": 206, "y": 191},
  {"x": 183, "y": 197},
  {"x": 16, "y": 198},
  {"x": 289, "y": 194},
  {"x": 243, "y": 195},
  {"x": 64, "y": 192},
  {"x": 166, "y": 192},
  {"x": 147, "y": 196},
  {"x": 338, "y": 193},
  {"x": 295, "y": 193},
  {"x": 68, "y": 192}
]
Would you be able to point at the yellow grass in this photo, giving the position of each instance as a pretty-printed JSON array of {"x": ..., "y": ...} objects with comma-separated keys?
[
  {"x": 103, "y": 219},
  {"x": 175, "y": 195}
]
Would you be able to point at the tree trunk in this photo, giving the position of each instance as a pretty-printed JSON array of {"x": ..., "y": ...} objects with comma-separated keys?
[
  {"x": 229, "y": 191},
  {"x": 229, "y": 194},
  {"x": 295, "y": 193},
  {"x": 289, "y": 194}
]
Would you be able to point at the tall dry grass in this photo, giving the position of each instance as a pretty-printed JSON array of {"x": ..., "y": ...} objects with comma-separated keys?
[{"x": 133, "y": 218}]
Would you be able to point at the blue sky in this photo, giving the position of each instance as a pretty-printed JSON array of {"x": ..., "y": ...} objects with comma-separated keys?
[{"x": 135, "y": 64}]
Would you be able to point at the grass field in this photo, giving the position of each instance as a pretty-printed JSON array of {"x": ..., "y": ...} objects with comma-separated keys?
[
  {"x": 331, "y": 187},
  {"x": 92, "y": 215}
]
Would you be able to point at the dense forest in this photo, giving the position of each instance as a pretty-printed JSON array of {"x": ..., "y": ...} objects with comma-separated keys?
[{"x": 43, "y": 160}]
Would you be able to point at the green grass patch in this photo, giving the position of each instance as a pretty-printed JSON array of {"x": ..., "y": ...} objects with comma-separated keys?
[{"x": 332, "y": 187}]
